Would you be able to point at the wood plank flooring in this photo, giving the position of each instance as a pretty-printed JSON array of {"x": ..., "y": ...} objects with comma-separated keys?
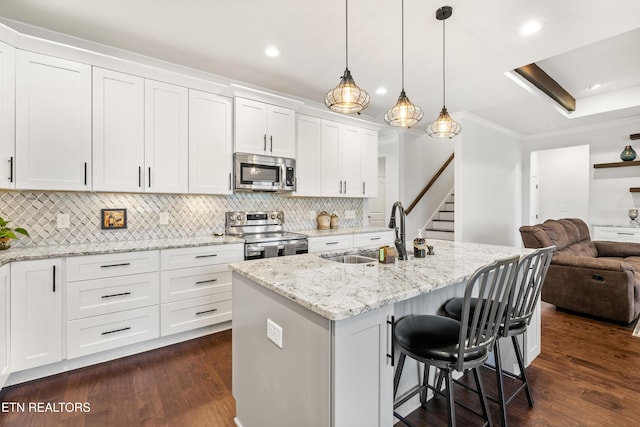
[{"x": 587, "y": 375}]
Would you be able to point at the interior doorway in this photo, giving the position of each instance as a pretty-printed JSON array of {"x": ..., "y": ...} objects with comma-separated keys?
[{"x": 377, "y": 206}]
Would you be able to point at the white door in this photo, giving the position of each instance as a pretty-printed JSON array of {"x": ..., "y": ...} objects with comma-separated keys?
[
  {"x": 308, "y": 140},
  {"x": 118, "y": 131},
  {"x": 282, "y": 132},
  {"x": 210, "y": 143},
  {"x": 7, "y": 116},
  {"x": 166, "y": 138},
  {"x": 534, "y": 216},
  {"x": 250, "y": 126},
  {"x": 377, "y": 205},
  {"x": 330, "y": 180},
  {"x": 5, "y": 312},
  {"x": 53, "y": 123},
  {"x": 36, "y": 313},
  {"x": 369, "y": 140},
  {"x": 350, "y": 161}
]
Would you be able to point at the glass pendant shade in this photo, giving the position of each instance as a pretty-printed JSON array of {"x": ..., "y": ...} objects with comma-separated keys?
[
  {"x": 444, "y": 126},
  {"x": 347, "y": 97},
  {"x": 404, "y": 113}
]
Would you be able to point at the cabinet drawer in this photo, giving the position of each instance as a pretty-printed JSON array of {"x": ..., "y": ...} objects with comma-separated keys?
[
  {"x": 617, "y": 234},
  {"x": 195, "y": 313},
  {"x": 330, "y": 243},
  {"x": 100, "y": 333},
  {"x": 102, "y": 296},
  {"x": 372, "y": 239},
  {"x": 204, "y": 255},
  {"x": 176, "y": 285},
  {"x": 111, "y": 265}
]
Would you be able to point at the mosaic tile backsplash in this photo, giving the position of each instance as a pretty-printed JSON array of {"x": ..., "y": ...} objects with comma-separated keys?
[{"x": 189, "y": 215}]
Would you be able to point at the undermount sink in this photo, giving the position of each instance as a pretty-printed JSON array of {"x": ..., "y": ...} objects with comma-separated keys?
[{"x": 351, "y": 259}]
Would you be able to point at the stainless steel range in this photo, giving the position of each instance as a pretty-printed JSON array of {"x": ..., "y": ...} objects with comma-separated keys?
[{"x": 264, "y": 234}]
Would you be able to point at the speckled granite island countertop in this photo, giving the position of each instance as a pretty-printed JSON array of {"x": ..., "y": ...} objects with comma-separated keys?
[
  {"x": 339, "y": 291},
  {"x": 52, "y": 251},
  {"x": 343, "y": 231}
]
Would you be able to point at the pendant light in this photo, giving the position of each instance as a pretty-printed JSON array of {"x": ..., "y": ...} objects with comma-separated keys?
[
  {"x": 404, "y": 113},
  {"x": 444, "y": 126},
  {"x": 347, "y": 97}
]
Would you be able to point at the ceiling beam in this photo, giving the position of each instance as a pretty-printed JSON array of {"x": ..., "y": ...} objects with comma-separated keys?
[{"x": 543, "y": 81}]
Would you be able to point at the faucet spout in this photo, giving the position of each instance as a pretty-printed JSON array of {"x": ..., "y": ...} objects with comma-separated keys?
[{"x": 401, "y": 245}]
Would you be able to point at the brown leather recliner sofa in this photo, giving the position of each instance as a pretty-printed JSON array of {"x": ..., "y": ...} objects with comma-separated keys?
[{"x": 598, "y": 278}]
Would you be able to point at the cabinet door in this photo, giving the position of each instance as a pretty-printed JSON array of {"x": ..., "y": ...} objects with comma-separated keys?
[
  {"x": 118, "y": 131},
  {"x": 166, "y": 138},
  {"x": 308, "y": 134},
  {"x": 250, "y": 126},
  {"x": 369, "y": 140},
  {"x": 330, "y": 179},
  {"x": 210, "y": 143},
  {"x": 5, "y": 312},
  {"x": 282, "y": 132},
  {"x": 36, "y": 313},
  {"x": 53, "y": 123},
  {"x": 350, "y": 163},
  {"x": 7, "y": 116}
]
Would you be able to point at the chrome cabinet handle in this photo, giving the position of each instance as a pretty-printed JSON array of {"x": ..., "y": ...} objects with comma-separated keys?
[
  {"x": 11, "y": 169},
  {"x": 117, "y": 330},
  {"x": 265, "y": 142},
  {"x": 139, "y": 176},
  {"x": 149, "y": 176},
  {"x": 363, "y": 187},
  {"x": 116, "y": 295},
  {"x": 54, "y": 278},
  {"x": 271, "y": 140},
  {"x": 229, "y": 180},
  {"x": 206, "y": 281},
  {"x": 391, "y": 353},
  {"x": 85, "y": 173},
  {"x": 206, "y": 256},
  {"x": 340, "y": 187},
  {"x": 206, "y": 311},
  {"x": 124, "y": 264}
]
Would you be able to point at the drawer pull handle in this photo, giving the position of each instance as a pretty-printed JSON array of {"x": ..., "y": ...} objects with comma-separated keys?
[
  {"x": 332, "y": 243},
  {"x": 206, "y": 256},
  {"x": 116, "y": 295},
  {"x": 375, "y": 238},
  {"x": 624, "y": 234},
  {"x": 206, "y": 281},
  {"x": 116, "y": 265},
  {"x": 116, "y": 330},
  {"x": 206, "y": 311}
]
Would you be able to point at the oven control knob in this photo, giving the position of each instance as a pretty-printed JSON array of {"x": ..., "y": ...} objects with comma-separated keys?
[
  {"x": 238, "y": 217},
  {"x": 273, "y": 216},
  {"x": 279, "y": 216}
]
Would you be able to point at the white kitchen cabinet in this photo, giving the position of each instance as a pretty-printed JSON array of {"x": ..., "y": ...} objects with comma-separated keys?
[
  {"x": 350, "y": 161},
  {"x": 616, "y": 233},
  {"x": 330, "y": 243},
  {"x": 36, "y": 313},
  {"x": 166, "y": 138},
  {"x": 5, "y": 322},
  {"x": 264, "y": 128},
  {"x": 379, "y": 238},
  {"x": 118, "y": 131},
  {"x": 330, "y": 178},
  {"x": 308, "y": 140},
  {"x": 7, "y": 116},
  {"x": 53, "y": 123},
  {"x": 369, "y": 166},
  {"x": 210, "y": 143}
]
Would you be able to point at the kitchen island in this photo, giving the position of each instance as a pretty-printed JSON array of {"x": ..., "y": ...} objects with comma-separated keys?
[{"x": 312, "y": 337}]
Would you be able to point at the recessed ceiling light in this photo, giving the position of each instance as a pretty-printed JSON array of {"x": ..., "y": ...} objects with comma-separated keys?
[
  {"x": 594, "y": 86},
  {"x": 381, "y": 91},
  {"x": 272, "y": 52},
  {"x": 530, "y": 27}
]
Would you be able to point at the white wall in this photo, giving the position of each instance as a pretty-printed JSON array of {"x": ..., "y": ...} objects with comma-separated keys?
[
  {"x": 488, "y": 184},
  {"x": 609, "y": 196}
]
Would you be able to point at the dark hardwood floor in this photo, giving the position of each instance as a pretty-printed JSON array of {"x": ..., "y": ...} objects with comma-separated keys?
[{"x": 587, "y": 375}]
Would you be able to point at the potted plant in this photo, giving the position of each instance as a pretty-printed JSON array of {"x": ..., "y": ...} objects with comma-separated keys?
[{"x": 7, "y": 233}]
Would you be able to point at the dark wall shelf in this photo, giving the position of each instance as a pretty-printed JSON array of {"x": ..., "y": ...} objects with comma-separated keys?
[
  {"x": 616, "y": 164},
  {"x": 634, "y": 189}
]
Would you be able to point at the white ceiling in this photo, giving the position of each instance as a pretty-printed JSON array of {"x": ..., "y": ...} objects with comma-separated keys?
[{"x": 581, "y": 42}]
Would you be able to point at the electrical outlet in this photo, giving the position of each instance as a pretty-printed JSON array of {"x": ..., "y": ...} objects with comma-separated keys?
[
  {"x": 311, "y": 215},
  {"x": 63, "y": 221},
  {"x": 274, "y": 332},
  {"x": 349, "y": 214},
  {"x": 164, "y": 218}
]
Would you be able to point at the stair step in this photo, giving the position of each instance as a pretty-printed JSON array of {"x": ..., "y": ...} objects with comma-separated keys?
[
  {"x": 449, "y": 206},
  {"x": 446, "y": 215},
  {"x": 430, "y": 233},
  {"x": 440, "y": 224}
]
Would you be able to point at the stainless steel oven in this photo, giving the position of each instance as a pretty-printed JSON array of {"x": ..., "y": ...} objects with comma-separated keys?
[
  {"x": 264, "y": 235},
  {"x": 253, "y": 172}
]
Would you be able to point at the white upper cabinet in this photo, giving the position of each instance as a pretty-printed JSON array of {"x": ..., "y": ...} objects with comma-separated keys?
[
  {"x": 166, "y": 138},
  {"x": 118, "y": 131},
  {"x": 7, "y": 116},
  {"x": 264, "y": 128},
  {"x": 308, "y": 139},
  {"x": 331, "y": 178},
  {"x": 350, "y": 161},
  {"x": 369, "y": 163},
  {"x": 53, "y": 123},
  {"x": 210, "y": 143}
]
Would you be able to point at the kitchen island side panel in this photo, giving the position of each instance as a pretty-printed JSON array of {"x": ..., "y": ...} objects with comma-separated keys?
[{"x": 279, "y": 387}]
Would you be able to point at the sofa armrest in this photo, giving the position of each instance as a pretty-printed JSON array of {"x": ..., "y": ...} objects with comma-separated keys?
[
  {"x": 617, "y": 249},
  {"x": 590, "y": 262}
]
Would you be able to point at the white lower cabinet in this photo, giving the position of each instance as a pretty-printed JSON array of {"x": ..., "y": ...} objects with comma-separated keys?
[
  {"x": 36, "y": 313},
  {"x": 330, "y": 243},
  {"x": 196, "y": 286},
  {"x": 5, "y": 322},
  {"x": 379, "y": 238},
  {"x": 616, "y": 234},
  {"x": 113, "y": 307}
]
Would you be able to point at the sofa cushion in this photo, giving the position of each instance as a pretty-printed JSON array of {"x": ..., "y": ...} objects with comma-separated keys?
[{"x": 569, "y": 235}]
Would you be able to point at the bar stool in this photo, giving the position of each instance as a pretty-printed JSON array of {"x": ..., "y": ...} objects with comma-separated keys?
[
  {"x": 532, "y": 270},
  {"x": 444, "y": 343}
]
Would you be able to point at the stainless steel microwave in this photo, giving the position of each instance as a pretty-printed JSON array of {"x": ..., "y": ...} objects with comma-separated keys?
[{"x": 253, "y": 172}]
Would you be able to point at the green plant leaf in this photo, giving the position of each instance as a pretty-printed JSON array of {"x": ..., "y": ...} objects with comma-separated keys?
[
  {"x": 8, "y": 233},
  {"x": 22, "y": 231},
  {"x": 3, "y": 223}
]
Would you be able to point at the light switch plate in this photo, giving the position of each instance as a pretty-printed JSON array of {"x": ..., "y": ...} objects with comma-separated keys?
[
  {"x": 349, "y": 214},
  {"x": 164, "y": 218},
  {"x": 274, "y": 332}
]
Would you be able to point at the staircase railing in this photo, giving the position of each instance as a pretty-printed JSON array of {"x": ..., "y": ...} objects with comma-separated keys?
[{"x": 426, "y": 188}]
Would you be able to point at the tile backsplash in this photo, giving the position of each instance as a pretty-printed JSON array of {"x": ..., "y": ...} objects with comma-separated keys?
[{"x": 189, "y": 215}]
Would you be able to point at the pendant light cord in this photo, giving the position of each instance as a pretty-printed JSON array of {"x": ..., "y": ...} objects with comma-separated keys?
[
  {"x": 443, "y": 62},
  {"x": 346, "y": 26},
  {"x": 402, "y": 45}
]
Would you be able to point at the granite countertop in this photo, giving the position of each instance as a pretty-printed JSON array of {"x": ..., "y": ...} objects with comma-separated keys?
[
  {"x": 343, "y": 231},
  {"x": 339, "y": 291},
  {"x": 52, "y": 251}
]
